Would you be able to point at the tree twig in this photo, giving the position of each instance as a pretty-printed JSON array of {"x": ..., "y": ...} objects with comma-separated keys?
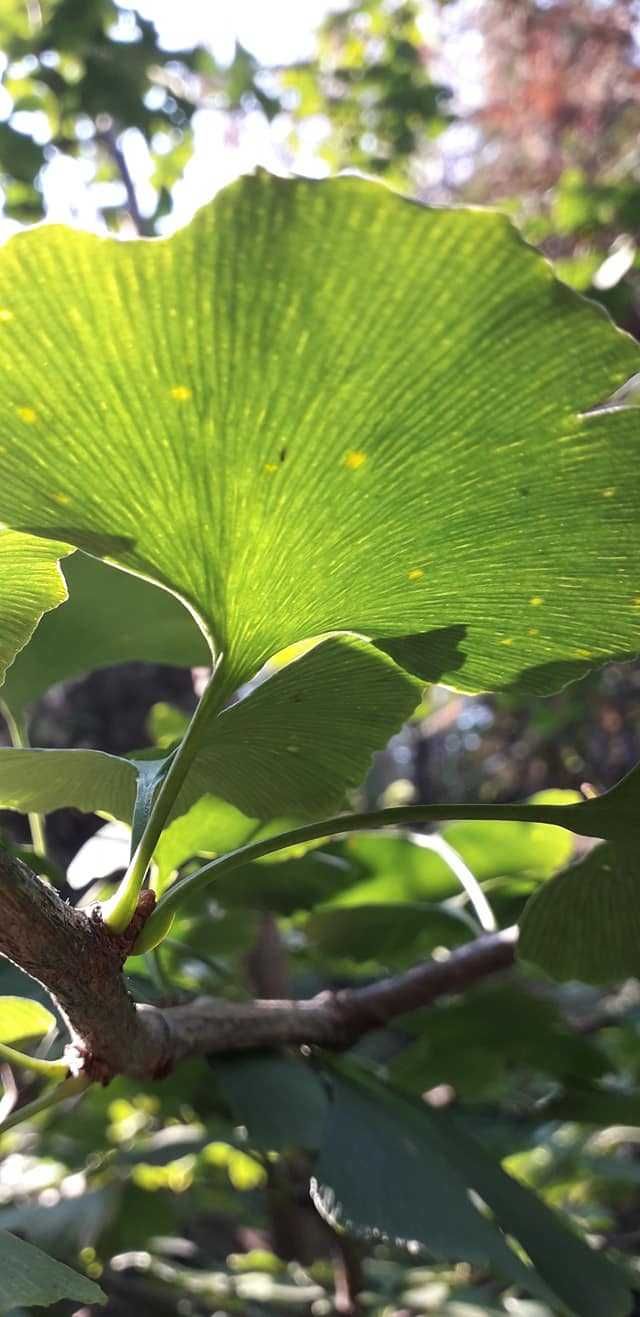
[{"x": 79, "y": 962}]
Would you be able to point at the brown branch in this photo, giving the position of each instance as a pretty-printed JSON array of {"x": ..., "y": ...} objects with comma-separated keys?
[
  {"x": 79, "y": 962},
  {"x": 109, "y": 139}
]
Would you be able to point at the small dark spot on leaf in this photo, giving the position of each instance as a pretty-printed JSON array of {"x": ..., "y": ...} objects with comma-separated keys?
[
  {"x": 282, "y": 454},
  {"x": 524, "y": 489}
]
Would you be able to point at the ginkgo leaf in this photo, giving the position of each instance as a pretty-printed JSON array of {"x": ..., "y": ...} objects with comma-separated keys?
[
  {"x": 31, "y": 583},
  {"x": 321, "y": 407},
  {"x": 393, "y": 1168},
  {"x": 39, "y": 781},
  {"x": 585, "y": 923},
  {"x": 109, "y": 617},
  {"x": 271, "y": 752}
]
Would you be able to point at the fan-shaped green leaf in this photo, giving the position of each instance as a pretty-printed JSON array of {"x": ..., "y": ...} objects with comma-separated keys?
[
  {"x": 615, "y": 815},
  {"x": 31, "y": 584},
  {"x": 110, "y": 617},
  {"x": 321, "y": 407},
  {"x": 585, "y": 922}
]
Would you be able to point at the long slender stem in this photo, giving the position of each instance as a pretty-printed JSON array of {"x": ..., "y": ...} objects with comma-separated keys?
[
  {"x": 468, "y": 881},
  {"x": 118, "y": 911},
  {"x": 19, "y": 737},
  {"x": 575, "y": 818}
]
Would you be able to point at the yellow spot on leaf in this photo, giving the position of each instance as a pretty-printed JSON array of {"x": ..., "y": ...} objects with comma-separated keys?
[
  {"x": 5, "y": 314},
  {"x": 271, "y": 468},
  {"x": 635, "y": 602},
  {"x": 508, "y": 640},
  {"x": 583, "y": 653},
  {"x": 536, "y": 600},
  {"x": 416, "y": 574},
  {"x": 610, "y": 492},
  {"x": 533, "y": 631},
  {"x": 27, "y": 414},
  {"x": 180, "y": 393},
  {"x": 354, "y": 460},
  {"x": 62, "y": 499}
]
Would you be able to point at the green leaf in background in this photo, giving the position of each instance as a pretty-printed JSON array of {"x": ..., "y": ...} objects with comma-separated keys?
[
  {"x": 110, "y": 617},
  {"x": 395, "y": 869},
  {"x": 476, "y": 1042},
  {"x": 273, "y": 747},
  {"x": 43, "y": 780},
  {"x": 585, "y": 923},
  {"x": 23, "y": 1018},
  {"x": 394, "y": 1168},
  {"x": 383, "y": 1172},
  {"x": 287, "y": 414},
  {"x": 29, "y": 1277},
  {"x": 285, "y": 884},
  {"x": 31, "y": 584},
  {"x": 394, "y": 935},
  {"x": 585, "y": 1281},
  {"x": 278, "y": 1099},
  {"x": 210, "y": 827}
]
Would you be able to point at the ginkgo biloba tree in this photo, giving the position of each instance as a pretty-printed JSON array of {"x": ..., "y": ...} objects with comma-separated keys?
[{"x": 342, "y": 445}]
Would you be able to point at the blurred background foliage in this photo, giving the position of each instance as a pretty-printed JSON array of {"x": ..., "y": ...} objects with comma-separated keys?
[{"x": 124, "y": 118}]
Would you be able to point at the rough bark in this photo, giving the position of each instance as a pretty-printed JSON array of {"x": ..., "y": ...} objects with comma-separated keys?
[{"x": 79, "y": 962}]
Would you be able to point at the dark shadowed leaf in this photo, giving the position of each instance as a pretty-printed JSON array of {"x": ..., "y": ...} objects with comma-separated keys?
[
  {"x": 282, "y": 1103},
  {"x": 394, "y": 1168},
  {"x": 585, "y": 922},
  {"x": 389, "y": 934},
  {"x": 31, "y": 1278}
]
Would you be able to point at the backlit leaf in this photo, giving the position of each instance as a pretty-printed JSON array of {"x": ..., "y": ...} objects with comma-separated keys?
[
  {"x": 109, "y": 617},
  {"x": 31, "y": 584},
  {"x": 321, "y": 407}
]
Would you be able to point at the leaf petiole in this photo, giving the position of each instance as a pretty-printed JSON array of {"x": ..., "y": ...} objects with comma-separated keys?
[
  {"x": 119, "y": 910},
  {"x": 576, "y": 818}
]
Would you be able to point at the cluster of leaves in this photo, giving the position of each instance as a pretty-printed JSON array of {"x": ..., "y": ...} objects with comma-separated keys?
[
  {"x": 370, "y": 78},
  {"x": 77, "y": 74}
]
